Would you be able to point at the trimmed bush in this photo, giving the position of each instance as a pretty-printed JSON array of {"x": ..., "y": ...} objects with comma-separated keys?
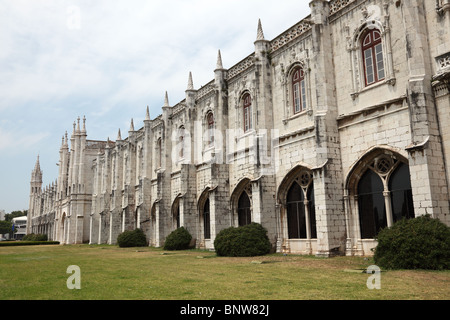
[
  {"x": 35, "y": 237},
  {"x": 418, "y": 243},
  {"x": 26, "y": 243},
  {"x": 179, "y": 239},
  {"x": 245, "y": 241},
  {"x": 132, "y": 238}
]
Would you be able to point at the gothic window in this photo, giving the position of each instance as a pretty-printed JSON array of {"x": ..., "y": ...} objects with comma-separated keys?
[
  {"x": 247, "y": 112},
  {"x": 176, "y": 213},
  {"x": 384, "y": 196},
  {"x": 206, "y": 220},
  {"x": 244, "y": 210},
  {"x": 181, "y": 142},
  {"x": 372, "y": 56},
  {"x": 298, "y": 90},
  {"x": 210, "y": 124},
  {"x": 296, "y": 212},
  {"x": 372, "y": 211},
  {"x": 158, "y": 153},
  {"x": 301, "y": 218},
  {"x": 401, "y": 194}
]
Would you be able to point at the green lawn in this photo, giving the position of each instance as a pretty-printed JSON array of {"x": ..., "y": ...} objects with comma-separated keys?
[{"x": 110, "y": 272}]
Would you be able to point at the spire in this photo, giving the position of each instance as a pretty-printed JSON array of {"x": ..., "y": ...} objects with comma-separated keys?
[
  {"x": 131, "y": 125},
  {"x": 78, "y": 125},
  {"x": 119, "y": 137},
  {"x": 37, "y": 166},
  {"x": 36, "y": 175},
  {"x": 260, "y": 35},
  {"x": 190, "y": 82},
  {"x": 66, "y": 142},
  {"x": 84, "y": 125},
  {"x": 147, "y": 115},
  {"x": 166, "y": 100},
  {"x": 73, "y": 132},
  {"x": 219, "y": 61}
]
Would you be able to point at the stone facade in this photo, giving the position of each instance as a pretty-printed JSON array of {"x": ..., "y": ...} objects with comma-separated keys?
[{"x": 327, "y": 133}]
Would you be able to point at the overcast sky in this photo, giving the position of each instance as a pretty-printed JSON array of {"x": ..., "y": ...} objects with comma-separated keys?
[{"x": 108, "y": 60}]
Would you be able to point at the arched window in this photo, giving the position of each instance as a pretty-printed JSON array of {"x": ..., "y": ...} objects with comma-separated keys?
[
  {"x": 372, "y": 211},
  {"x": 244, "y": 209},
  {"x": 176, "y": 213},
  {"x": 181, "y": 142},
  {"x": 206, "y": 220},
  {"x": 247, "y": 112},
  {"x": 384, "y": 195},
  {"x": 372, "y": 55},
  {"x": 158, "y": 153},
  {"x": 298, "y": 90},
  {"x": 401, "y": 193},
  {"x": 210, "y": 124},
  {"x": 301, "y": 217},
  {"x": 296, "y": 212}
]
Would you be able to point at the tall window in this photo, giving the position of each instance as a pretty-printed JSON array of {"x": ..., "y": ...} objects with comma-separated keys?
[
  {"x": 372, "y": 54},
  {"x": 372, "y": 210},
  {"x": 247, "y": 112},
  {"x": 301, "y": 217},
  {"x": 181, "y": 142},
  {"x": 401, "y": 193},
  {"x": 299, "y": 90},
  {"x": 210, "y": 123},
  {"x": 176, "y": 213},
  {"x": 206, "y": 220},
  {"x": 244, "y": 210},
  {"x": 158, "y": 153}
]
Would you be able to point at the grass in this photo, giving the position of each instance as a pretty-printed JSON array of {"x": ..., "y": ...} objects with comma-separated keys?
[{"x": 113, "y": 273}]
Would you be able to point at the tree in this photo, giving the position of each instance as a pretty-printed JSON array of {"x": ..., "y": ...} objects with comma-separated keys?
[
  {"x": 5, "y": 227},
  {"x": 15, "y": 214}
]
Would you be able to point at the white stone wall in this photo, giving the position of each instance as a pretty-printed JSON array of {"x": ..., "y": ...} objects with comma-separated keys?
[{"x": 114, "y": 186}]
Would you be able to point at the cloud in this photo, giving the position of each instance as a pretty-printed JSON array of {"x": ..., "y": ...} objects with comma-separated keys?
[
  {"x": 108, "y": 60},
  {"x": 12, "y": 142}
]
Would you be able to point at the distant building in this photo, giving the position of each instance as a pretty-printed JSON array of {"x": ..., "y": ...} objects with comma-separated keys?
[
  {"x": 20, "y": 227},
  {"x": 2, "y": 215},
  {"x": 331, "y": 131}
]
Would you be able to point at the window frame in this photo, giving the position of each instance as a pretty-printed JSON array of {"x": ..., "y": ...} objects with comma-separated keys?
[
  {"x": 298, "y": 87},
  {"x": 247, "y": 112},
  {"x": 369, "y": 51}
]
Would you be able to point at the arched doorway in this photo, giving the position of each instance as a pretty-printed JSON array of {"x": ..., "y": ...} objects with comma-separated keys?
[{"x": 244, "y": 209}]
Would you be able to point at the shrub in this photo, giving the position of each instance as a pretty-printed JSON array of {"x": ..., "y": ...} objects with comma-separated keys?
[
  {"x": 35, "y": 237},
  {"x": 132, "y": 238},
  {"x": 26, "y": 243},
  {"x": 245, "y": 241},
  {"x": 418, "y": 243},
  {"x": 179, "y": 239}
]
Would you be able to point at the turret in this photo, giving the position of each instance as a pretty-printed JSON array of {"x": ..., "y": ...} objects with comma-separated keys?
[{"x": 190, "y": 92}]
